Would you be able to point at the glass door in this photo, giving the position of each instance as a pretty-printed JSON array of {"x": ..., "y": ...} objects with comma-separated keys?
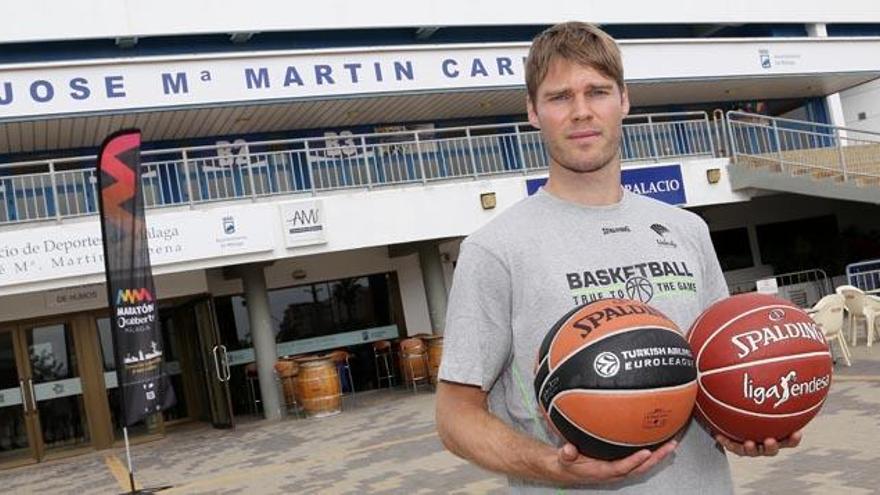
[
  {"x": 17, "y": 438},
  {"x": 215, "y": 364},
  {"x": 175, "y": 337},
  {"x": 53, "y": 380},
  {"x": 42, "y": 409}
]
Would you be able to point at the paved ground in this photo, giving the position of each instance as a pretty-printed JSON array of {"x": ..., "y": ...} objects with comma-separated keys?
[{"x": 387, "y": 444}]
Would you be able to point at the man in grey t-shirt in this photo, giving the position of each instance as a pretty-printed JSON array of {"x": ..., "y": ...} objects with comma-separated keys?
[{"x": 581, "y": 238}]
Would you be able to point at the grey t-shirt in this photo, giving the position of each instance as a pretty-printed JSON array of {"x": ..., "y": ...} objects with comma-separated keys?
[{"x": 517, "y": 275}]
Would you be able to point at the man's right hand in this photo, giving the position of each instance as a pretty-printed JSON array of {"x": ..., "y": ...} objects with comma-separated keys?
[
  {"x": 573, "y": 468},
  {"x": 469, "y": 430}
]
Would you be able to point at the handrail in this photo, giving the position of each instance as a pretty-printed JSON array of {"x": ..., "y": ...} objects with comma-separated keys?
[
  {"x": 273, "y": 142},
  {"x": 799, "y": 122},
  {"x": 816, "y": 276},
  {"x": 58, "y": 188},
  {"x": 799, "y": 148},
  {"x": 797, "y": 277},
  {"x": 865, "y": 275}
]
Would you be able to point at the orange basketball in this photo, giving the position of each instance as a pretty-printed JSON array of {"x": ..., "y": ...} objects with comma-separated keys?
[
  {"x": 764, "y": 367},
  {"x": 615, "y": 376}
]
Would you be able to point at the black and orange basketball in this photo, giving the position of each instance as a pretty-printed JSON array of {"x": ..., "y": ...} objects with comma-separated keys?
[
  {"x": 615, "y": 376},
  {"x": 763, "y": 367}
]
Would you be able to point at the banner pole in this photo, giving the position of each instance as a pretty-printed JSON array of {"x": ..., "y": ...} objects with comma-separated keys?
[
  {"x": 131, "y": 293},
  {"x": 128, "y": 457}
]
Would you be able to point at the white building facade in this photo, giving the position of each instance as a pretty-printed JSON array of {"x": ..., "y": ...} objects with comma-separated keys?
[{"x": 326, "y": 164}]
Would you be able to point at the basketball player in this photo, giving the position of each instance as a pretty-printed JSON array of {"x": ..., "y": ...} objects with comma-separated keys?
[{"x": 581, "y": 237}]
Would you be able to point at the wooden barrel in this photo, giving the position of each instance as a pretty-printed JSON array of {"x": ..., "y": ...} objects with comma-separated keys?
[
  {"x": 413, "y": 359},
  {"x": 287, "y": 370},
  {"x": 317, "y": 387},
  {"x": 435, "y": 352},
  {"x": 302, "y": 358}
]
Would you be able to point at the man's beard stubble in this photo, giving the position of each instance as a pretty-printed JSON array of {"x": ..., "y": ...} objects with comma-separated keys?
[{"x": 602, "y": 162}]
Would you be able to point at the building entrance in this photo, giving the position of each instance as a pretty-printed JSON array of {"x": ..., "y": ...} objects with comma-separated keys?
[
  {"x": 59, "y": 393},
  {"x": 43, "y": 410},
  {"x": 194, "y": 360}
]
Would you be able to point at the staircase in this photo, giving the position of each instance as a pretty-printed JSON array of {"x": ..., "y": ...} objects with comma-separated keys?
[{"x": 803, "y": 157}]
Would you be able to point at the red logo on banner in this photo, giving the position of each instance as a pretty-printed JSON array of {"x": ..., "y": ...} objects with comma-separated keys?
[{"x": 119, "y": 195}]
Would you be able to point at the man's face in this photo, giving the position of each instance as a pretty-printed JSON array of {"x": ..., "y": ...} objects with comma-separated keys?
[{"x": 579, "y": 110}]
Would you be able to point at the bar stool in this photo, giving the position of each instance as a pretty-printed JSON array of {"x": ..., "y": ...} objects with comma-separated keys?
[
  {"x": 414, "y": 361},
  {"x": 383, "y": 360},
  {"x": 342, "y": 359},
  {"x": 251, "y": 375}
]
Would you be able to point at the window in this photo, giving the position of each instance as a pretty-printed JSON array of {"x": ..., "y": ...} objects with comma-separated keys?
[
  {"x": 733, "y": 248},
  {"x": 312, "y": 310},
  {"x": 801, "y": 245}
]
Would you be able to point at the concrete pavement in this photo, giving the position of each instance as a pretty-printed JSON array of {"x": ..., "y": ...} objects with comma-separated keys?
[{"x": 387, "y": 444}]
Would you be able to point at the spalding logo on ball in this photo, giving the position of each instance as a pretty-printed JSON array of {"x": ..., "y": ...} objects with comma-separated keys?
[
  {"x": 763, "y": 364},
  {"x": 615, "y": 376}
]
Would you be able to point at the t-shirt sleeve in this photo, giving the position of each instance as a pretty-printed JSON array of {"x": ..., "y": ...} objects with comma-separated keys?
[
  {"x": 477, "y": 339},
  {"x": 713, "y": 277}
]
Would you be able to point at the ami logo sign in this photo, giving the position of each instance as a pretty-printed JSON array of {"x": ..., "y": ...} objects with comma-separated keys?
[{"x": 303, "y": 223}]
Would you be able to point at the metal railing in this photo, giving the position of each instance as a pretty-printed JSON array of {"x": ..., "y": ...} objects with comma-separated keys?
[
  {"x": 865, "y": 275},
  {"x": 803, "y": 288},
  {"x": 666, "y": 135},
  {"x": 804, "y": 148},
  {"x": 67, "y": 187}
]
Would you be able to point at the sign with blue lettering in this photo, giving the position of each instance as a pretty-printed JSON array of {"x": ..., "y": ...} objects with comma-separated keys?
[
  {"x": 662, "y": 182},
  {"x": 175, "y": 81},
  {"x": 43, "y": 88}
]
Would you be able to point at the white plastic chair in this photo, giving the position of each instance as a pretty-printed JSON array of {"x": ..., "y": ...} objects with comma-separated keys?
[
  {"x": 872, "y": 313},
  {"x": 855, "y": 308},
  {"x": 828, "y": 314}
]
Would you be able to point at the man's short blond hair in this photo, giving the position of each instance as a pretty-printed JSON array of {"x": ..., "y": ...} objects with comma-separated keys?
[{"x": 577, "y": 42}]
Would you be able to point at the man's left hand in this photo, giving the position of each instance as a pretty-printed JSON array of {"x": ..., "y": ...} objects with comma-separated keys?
[{"x": 769, "y": 447}]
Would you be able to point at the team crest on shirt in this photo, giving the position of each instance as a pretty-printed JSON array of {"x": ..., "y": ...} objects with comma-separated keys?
[
  {"x": 659, "y": 229},
  {"x": 663, "y": 238}
]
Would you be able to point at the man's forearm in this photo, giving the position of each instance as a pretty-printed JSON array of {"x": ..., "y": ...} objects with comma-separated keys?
[{"x": 473, "y": 433}]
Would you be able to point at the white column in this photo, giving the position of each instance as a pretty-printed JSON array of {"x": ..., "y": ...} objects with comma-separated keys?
[
  {"x": 832, "y": 101},
  {"x": 435, "y": 286},
  {"x": 259, "y": 316},
  {"x": 817, "y": 30}
]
